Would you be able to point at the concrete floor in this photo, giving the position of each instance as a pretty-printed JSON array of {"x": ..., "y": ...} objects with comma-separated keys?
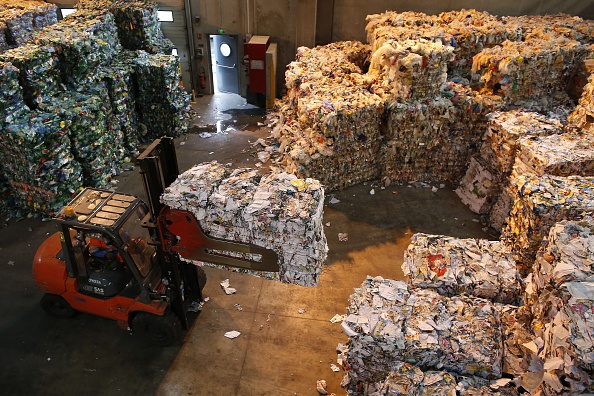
[{"x": 280, "y": 351}]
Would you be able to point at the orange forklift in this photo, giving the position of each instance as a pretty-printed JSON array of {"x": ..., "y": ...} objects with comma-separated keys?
[{"x": 139, "y": 280}]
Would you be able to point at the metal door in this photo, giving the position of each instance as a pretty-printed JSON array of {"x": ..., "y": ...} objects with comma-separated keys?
[{"x": 226, "y": 57}]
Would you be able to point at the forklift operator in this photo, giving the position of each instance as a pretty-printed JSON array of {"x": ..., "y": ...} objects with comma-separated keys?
[{"x": 101, "y": 248}]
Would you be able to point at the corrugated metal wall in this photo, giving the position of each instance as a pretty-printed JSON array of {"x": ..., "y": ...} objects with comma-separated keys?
[{"x": 177, "y": 32}]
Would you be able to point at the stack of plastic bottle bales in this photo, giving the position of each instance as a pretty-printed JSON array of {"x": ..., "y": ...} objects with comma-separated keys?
[
  {"x": 20, "y": 19},
  {"x": 80, "y": 86}
]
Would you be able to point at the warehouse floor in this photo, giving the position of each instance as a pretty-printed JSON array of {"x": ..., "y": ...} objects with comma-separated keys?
[{"x": 287, "y": 341}]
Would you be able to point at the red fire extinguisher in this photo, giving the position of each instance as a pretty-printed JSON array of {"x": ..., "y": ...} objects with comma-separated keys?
[{"x": 202, "y": 77}]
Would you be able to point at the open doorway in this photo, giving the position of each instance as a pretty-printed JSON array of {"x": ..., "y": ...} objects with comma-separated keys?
[{"x": 225, "y": 63}]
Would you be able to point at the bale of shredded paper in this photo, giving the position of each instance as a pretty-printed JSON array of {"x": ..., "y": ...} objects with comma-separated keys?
[
  {"x": 276, "y": 211},
  {"x": 539, "y": 203},
  {"x": 453, "y": 266},
  {"x": 434, "y": 139},
  {"x": 528, "y": 73},
  {"x": 409, "y": 69},
  {"x": 388, "y": 324},
  {"x": 568, "y": 254}
]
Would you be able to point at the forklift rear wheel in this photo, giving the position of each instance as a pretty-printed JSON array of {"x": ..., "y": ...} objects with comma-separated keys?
[
  {"x": 160, "y": 330},
  {"x": 201, "y": 277},
  {"x": 56, "y": 306}
]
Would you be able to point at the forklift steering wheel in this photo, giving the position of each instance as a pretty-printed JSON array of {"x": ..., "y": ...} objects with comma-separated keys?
[{"x": 96, "y": 265}]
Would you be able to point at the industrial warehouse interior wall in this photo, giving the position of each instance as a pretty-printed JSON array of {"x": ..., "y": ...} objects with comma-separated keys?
[{"x": 289, "y": 23}]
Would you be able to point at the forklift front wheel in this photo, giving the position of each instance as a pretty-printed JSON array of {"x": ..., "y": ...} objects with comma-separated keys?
[
  {"x": 56, "y": 306},
  {"x": 160, "y": 330}
]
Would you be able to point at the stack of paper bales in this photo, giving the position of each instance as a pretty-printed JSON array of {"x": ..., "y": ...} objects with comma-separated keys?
[
  {"x": 453, "y": 266},
  {"x": 38, "y": 163},
  {"x": 467, "y": 31},
  {"x": 565, "y": 154},
  {"x": 330, "y": 127},
  {"x": 530, "y": 73},
  {"x": 276, "y": 211},
  {"x": 20, "y": 19},
  {"x": 505, "y": 130},
  {"x": 539, "y": 203},
  {"x": 409, "y": 69},
  {"x": 388, "y": 324},
  {"x": 583, "y": 115},
  {"x": 137, "y": 22},
  {"x": 433, "y": 139},
  {"x": 483, "y": 188},
  {"x": 40, "y": 75}
]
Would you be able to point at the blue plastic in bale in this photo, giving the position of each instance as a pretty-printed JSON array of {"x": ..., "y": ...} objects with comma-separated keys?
[
  {"x": 39, "y": 71},
  {"x": 38, "y": 163}
]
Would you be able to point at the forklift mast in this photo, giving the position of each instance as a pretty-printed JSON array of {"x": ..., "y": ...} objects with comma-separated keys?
[{"x": 158, "y": 167}]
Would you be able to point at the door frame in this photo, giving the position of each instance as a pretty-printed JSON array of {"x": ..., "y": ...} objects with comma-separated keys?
[{"x": 239, "y": 63}]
